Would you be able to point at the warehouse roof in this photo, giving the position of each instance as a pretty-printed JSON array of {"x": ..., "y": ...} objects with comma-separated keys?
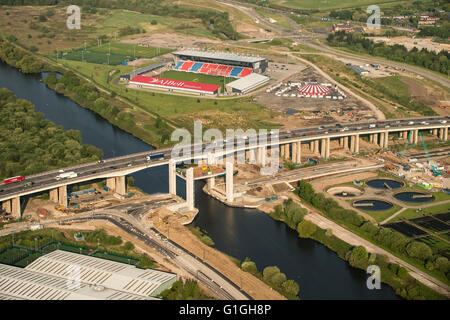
[
  {"x": 248, "y": 82},
  {"x": 220, "y": 55},
  {"x": 110, "y": 274},
  {"x": 22, "y": 284}
]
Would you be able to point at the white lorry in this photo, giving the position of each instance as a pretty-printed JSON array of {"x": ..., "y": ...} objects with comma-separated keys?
[{"x": 66, "y": 175}]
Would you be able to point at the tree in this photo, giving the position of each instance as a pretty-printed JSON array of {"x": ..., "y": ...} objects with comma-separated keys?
[
  {"x": 306, "y": 229},
  {"x": 277, "y": 279},
  {"x": 290, "y": 288},
  {"x": 249, "y": 266},
  {"x": 268, "y": 272},
  {"x": 358, "y": 257},
  {"x": 442, "y": 264},
  {"x": 128, "y": 246},
  {"x": 418, "y": 250}
]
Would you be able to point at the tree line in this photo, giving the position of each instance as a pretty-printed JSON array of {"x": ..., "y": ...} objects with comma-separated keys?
[
  {"x": 356, "y": 41},
  {"x": 30, "y": 144}
]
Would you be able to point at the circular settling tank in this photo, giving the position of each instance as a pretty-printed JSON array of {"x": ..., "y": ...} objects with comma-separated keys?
[
  {"x": 372, "y": 205},
  {"x": 385, "y": 184},
  {"x": 345, "y": 191},
  {"x": 417, "y": 197}
]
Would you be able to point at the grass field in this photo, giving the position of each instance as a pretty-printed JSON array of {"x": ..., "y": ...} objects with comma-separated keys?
[
  {"x": 382, "y": 215},
  {"x": 120, "y": 52},
  {"x": 411, "y": 213},
  {"x": 330, "y": 4},
  {"x": 196, "y": 77}
]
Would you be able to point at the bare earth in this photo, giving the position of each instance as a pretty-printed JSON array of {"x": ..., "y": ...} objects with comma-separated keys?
[{"x": 172, "y": 41}]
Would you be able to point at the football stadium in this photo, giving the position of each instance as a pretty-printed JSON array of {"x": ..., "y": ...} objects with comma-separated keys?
[{"x": 207, "y": 73}]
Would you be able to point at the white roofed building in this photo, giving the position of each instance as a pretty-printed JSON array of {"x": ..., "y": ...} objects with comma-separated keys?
[{"x": 247, "y": 83}]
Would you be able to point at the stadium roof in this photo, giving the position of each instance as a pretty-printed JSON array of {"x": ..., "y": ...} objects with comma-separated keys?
[
  {"x": 249, "y": 82},
  {"x": 142, "y": 70},
  {"x": 22, "y": 284},
  {"x": 219, "y": 55},
  {"x": 95, "y": 271}
]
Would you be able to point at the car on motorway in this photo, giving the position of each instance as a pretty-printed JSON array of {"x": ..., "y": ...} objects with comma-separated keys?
[
  {"x": 312, "y": 132},
  {"x": 1, "y": 190},
  {"x": 387, "y": 126},
  {"x": 326, "y": 132},
  {"x": 411, "y": 122},
  {"x": 113, "y": 167},
  {"x": 338, "y": 125},
  {"x": 28, "y": 184},
  {"x": 129, "y": 165},
  {"x": 443, "y": 121},
  {"x": 358, "y": 128},
  {"x": 320, "y": 128},
  {"x": 372, "y": 125},
  {"x": 424, "y": 122},
  {"x": 293, "y": 134},
  {"x": 397, "y": 121}
]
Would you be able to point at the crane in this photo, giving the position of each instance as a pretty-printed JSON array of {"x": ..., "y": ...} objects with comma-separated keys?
[{"x": 435, "y": 171}]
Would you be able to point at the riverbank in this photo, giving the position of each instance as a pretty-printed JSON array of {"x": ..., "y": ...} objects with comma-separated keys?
[{"x": 150, "y": 129}]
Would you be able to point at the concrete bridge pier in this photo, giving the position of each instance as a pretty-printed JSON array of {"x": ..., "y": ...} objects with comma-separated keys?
[
  {"x": 341, "y": 142},
  {"x": 251, "y": 156},
  {"x": 211, "y": 183},
  {"x": 311, "y": 146},
  {"x": 13, "y": 207},
  {"x": 54, "y": 195},
  {"x": 346, "y": 143},
  {"x": 375, "y": 138},
  {"x": 386, "y": 139},
  {"x": 316, "y": 146},
  {"x": 172, "y": 177},
  {"x": 382, "y": 139},
  {"x": 111, "y": 183},
  {"x": 121, "y": 186},
  {"x": 356, "y": 143},
  {"x": 282, "y": 151},
  {"x": 299, "y": 152},
  {"x": 352, "y": 144},
  {"x": 287, "y": 151},
  {"x": 62, "y": 196},
  {"x": 229, "y": 181},
  {"x": 190, "y": 188},
  {"x": 415, "y": 136},
  {"x": 446, "y": 134},
  {"x": 323, "y": 146},
  {"x": 294, "y": 152},
  {"x": 327, "y": 148},
  {"x": 371, "y": 138}
]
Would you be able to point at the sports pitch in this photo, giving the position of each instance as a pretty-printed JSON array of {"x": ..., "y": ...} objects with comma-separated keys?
[
  {"x": 120, "y": 52},
  {"x": 196, "y": 77}
]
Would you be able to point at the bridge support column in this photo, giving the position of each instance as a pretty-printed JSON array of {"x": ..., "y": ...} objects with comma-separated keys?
[
  {"x": 375, "y": 138},
  {"x": 190, "y": 188},
  {"x": 416, "y": 136},
  {"x": 311, "y": 146},
  {"x": 282, "y": 150},
  {"x": 247, "y": 156},
  {"x": 371, "y": 138},
  {"x": 357, "y": 143},
  {"x": 386, "y": 139},
  {"x": 229, "y": 182},
  {"x": 435, "y": 132},
  {"x": 299, "y": 152},
  {"x": 121, "y": 186},
  {"x": 210, "y": 183},
  {"x": 251, "y": 156},
  {"x": 53, "y": 193},
  {"x": 6, "y": 205},
  {"x": 323, "y": 147},
  {"x": 62, "y": 196},
  {"x": 382, "y": 139},
  {"x": 16, "y": 211},
  {"x": 263, "y": 156},
  {"x": 327, "y": 148},
  {"x": 352, "y": 144},
  {"x": 287, "y": 151},
  {"x": 445, "y": 134},
  {"x": 316, "y": 146},
  {"x": 172, "y": 177},
  {"x": 294, "y": 152},
  {"x": 346, "y": 143},
  {"x": 111, "y": 183}
]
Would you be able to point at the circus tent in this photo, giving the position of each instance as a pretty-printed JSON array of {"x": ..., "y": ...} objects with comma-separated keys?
[{"x": 314, "y": 89}]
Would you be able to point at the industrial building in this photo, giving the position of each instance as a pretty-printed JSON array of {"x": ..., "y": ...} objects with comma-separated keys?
[
  {"x": 247, "y": 83},
  {"x": 62, "y": 275},
  {"x": 171, "y": 85}
]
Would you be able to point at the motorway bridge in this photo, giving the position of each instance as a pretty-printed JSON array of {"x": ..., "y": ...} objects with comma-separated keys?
[{"x": 286, "y": 144}]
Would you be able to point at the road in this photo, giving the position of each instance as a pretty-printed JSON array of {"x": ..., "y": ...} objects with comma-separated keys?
[
  {"x": 211, "y": 278},
  {"x": 128, "y": 164}
]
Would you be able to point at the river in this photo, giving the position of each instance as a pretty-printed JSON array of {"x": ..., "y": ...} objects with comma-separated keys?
[{"x": 241, "y": 233}]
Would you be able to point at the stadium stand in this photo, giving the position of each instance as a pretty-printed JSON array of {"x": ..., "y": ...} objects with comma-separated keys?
[
  {"x": 245, "y": 72},
  {"x": 179, "y": 64},
  {"x": 196, "y": 66},
  {"x": 235, "y": 72},
  {"x": 186, "y": 66}
]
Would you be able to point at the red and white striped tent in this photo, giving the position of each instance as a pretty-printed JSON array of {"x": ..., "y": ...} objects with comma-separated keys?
[{"x": 314, "y": 89}]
